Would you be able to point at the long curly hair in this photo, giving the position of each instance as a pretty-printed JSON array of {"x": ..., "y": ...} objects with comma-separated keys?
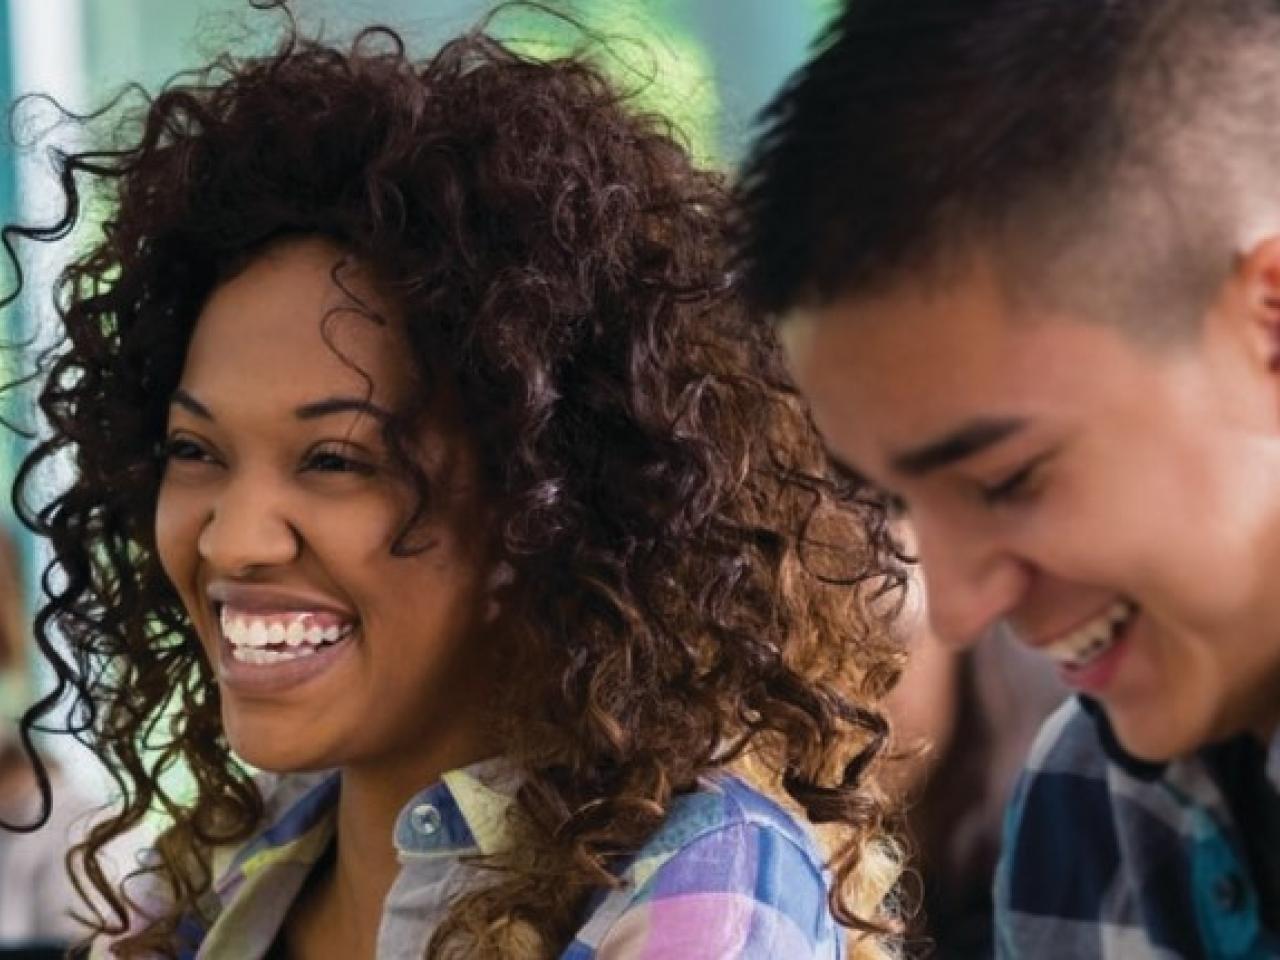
[{"x": 694, "y": 588}]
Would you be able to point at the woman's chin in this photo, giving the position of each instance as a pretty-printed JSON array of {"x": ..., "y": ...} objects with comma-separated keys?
[{"x": 277, "y": 751}]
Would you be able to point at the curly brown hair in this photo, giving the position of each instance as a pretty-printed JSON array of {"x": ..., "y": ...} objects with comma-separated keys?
[{"x": 695, "y": 588}]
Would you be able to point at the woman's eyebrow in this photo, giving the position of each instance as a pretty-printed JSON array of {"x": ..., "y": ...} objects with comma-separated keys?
[
  {"x": 333, "y": 405},
  {"x": 189, "y": 403},
  {"x": 329, "y": 406}
]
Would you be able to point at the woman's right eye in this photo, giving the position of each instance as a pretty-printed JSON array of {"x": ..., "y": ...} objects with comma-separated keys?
[{"x": 185, "y": 450}]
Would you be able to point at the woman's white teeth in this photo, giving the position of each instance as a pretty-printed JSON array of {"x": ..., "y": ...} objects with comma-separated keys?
[
  {"x": 1091, "y": 640},
  {"x": 254, "y": 655},
  {"x": 278, "y": 637}
]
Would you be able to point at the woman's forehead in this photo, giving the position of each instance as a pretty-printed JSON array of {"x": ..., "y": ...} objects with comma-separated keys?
[{"x": 300, "y": 316}]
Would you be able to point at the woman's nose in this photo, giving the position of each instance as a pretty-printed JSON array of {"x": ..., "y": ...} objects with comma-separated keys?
[{"x": 247, "y": 527}]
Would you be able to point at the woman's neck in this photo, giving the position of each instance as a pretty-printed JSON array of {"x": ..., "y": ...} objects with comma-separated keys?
[{"x": 341, "y": 912}]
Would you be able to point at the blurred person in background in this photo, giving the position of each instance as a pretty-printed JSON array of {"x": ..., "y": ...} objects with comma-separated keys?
[
  {"x": 425, "y": 458},
  {"x": 965, "y": 719},
  {"x": 37, "y": 897}
]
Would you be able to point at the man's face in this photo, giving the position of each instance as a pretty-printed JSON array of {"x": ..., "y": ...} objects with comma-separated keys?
[{"x": 1117, "y": 503}]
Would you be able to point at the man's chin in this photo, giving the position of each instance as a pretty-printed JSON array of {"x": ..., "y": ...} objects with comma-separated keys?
[{"x": 1154, "y": 737}]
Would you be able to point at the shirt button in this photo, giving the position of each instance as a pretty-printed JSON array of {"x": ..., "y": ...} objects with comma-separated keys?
[
  {"x": 425, "y": 819},
  {"x": 1229, "y": 892}
]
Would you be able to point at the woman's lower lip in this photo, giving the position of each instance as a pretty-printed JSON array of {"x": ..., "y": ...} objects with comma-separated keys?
[{"x": 264, "y": 679}]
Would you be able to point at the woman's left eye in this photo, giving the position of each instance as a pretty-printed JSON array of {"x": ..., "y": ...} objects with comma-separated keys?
[{"x": 334, "y": 461}]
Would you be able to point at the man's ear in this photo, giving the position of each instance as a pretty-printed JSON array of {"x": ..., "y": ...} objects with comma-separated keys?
[{"x": 1257, "y": 301}]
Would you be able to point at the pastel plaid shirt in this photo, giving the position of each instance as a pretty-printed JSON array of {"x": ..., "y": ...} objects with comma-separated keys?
[
  {"x": 729, "y": 876},
  {"x": 1108, "y": 857}
]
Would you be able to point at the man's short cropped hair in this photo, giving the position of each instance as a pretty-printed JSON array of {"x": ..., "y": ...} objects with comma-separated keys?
[{"x": 1111, "y": 154}]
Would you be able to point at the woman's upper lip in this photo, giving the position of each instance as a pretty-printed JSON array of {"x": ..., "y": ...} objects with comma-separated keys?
[{"x": 264, "y": 597}]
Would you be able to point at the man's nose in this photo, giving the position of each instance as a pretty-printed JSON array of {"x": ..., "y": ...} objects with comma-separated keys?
[{"x": 970, "y": 584}]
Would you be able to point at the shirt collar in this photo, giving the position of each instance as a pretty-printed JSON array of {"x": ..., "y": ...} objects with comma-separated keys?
[
  {"x": 466, "y": 812},
  {"x": 300, "y": 822},
  {"x": 1273, "y": 761}
]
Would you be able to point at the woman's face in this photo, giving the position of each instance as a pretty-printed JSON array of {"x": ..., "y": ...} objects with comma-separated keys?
[{"x": 277, "y": 516}]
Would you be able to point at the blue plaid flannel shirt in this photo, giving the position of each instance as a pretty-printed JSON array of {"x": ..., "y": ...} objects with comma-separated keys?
[
  {"x": 730, "y": 875},
  {"x": 1108, "y": 857}
]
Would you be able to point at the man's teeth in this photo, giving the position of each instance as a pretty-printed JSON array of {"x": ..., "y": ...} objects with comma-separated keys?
[
  {"x": 279, "y": 636},
  {"x": 1091, "y": 640}
]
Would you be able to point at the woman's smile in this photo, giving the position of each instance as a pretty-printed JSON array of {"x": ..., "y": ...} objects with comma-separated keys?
[{"x": 251, "y": 661}]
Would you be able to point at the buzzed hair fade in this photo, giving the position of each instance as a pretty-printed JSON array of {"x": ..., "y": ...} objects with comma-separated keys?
[{"x": 1109, "y": 157}]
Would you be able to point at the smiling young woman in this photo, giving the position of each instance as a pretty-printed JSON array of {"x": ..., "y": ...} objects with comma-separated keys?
[
  {"x": 276, "y": 523},
  {"x": 425, "y": 459}
]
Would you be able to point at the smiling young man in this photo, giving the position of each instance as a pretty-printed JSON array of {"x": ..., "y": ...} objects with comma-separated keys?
[{"x": 1026, "y": 260}]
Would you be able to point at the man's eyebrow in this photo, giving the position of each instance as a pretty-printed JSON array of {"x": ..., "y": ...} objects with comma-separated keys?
[
  {"x": 965, "y": 441},
  {"x": 189, "y": 403},
  {"x": 333, "y": 405}
]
